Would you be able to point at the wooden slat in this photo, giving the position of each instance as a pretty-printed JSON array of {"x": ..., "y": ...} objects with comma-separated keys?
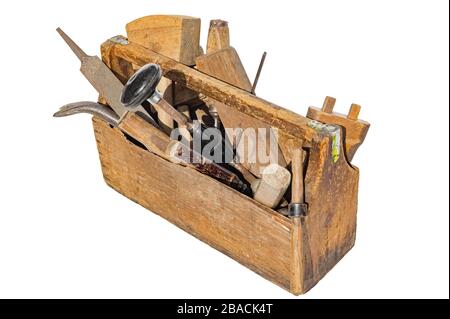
[
  {"x": 174, "y": 36},
  {"x": 355, "y": 130},
  {"x": 226, "y": 66},
  {"x": 250, "y": 233},
  {"x": 218, "y": 36},
  {"x": 328, "y": 231},
  {"x": 294, "y": 254},
  {"x": 269, "y": 113}
]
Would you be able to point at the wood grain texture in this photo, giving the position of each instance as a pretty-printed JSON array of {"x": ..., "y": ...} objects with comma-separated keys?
[
  {"x": 287, "y": 121},
  {"x": 293, "y": 253},
  {"x": 270, "y": 189},
  {"x": 226, "y": 66},
  {"x": 328, "y": 104},
  {"x": 355, "y": 130},
  {"x": 218, "y": 36},
  {"x": 176, "y": 37},
  {"x": 298, "y": 190},
  {"x": 250, "y": 233},
  {"x": 233, "y": 119},
  {"x": 165, "y": 87},
  {"x": 151, "y": 137},
  {"x": 331, "y": 192}
]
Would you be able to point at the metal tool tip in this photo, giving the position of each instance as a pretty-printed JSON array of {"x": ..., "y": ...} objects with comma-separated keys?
[
  {"x": 59, "y": 113},
  {"x": 68, "y": 109},
  {"x": 60, "y": 31},
  {"x": 72, "y": 45}
]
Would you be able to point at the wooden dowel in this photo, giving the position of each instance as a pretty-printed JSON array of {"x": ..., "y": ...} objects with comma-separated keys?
[
  {"x": 297, "y": 176},
  {"x": 353, "y": 113},
  {"x": 178, "y": 117},
  {"x": 328, "y": 104},
  {"x": 290, "y": 123},
  {"x": 218, "y": 36}
]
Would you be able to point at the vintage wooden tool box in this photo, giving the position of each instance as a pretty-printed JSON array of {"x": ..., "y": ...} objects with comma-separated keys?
[{"x": 292, "y": 252}]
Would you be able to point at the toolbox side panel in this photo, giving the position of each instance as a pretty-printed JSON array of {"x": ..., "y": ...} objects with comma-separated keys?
[
  {"x": 328, "y": 231},
  {"x": 236, "y": 225}
]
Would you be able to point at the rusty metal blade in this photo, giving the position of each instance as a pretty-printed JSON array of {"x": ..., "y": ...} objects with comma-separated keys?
[
  {"x": 103, "y": 80},
  {"x": 93, "y": 108},
  {"x": 75, "y": 48},
  {"x": 258, "y": 73}
]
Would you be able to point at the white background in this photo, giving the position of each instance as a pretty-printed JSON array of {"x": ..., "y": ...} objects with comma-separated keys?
[{"x": 64, "y": 233}]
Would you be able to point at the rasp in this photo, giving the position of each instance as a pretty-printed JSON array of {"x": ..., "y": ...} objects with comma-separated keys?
[{"x": 103, "y": 80}]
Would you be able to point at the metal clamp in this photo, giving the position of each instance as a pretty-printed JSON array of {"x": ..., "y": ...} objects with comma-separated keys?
[{"x": 297, "y": 209}]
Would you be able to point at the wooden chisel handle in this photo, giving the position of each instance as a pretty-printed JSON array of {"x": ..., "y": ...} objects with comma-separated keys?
[
  {"x": 184, "y": 123},
  {"x": 160, "y": 144},
  {"x": 152, "y": 138},
  {"x": 156, "y": 141},
  {"x": 178, "y": 117},
  {"x": 297, "y": 176}
]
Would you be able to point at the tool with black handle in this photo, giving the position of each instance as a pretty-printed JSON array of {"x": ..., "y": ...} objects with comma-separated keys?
[
  {"x": 103, "y": 80},
  {"x": 157, "y": 142},
  {"x": 141, "y": 87}
]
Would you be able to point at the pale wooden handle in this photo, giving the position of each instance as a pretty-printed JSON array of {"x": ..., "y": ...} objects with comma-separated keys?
[
  {"x": 178, "y": 117},
  {"x": 218, "y": 36},
  {"x": 152, "y": 138},
  {"x": 297, "y": 176}
]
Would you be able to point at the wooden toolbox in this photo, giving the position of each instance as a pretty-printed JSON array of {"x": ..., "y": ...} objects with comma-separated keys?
[{"x": 292, "y": 252}]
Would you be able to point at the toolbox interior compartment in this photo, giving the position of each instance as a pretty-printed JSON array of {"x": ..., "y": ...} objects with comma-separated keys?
[{"x": 294, "y": 253}]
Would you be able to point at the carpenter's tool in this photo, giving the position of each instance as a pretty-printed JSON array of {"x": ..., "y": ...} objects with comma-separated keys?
[
  {"x": 226, "y": 66},
  {"x": 297, "y": 207},
  {"x": 272, "y": 185},
  {"x": 157, "y": 142},
  {"x": 258, "y": 73},
  {"x": 218, "y": 36},
  {"x": 103, "y": 80},
  {"x": 212, "y": 110},
  {"x": 141, "y": 87}
]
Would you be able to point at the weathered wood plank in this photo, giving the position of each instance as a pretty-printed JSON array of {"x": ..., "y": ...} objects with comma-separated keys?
[
  {"x": 218, "y": 36},
  {"x": 174, "y": 36},
  {"x": 331, "y": 192},
  {"x": 289, "y": 122},
  {"x": 236, "y": 225},
  {"x": 226, "y": 66},
  {"x": 293, "y": 253},
  {"x": 355, "y": 130}
]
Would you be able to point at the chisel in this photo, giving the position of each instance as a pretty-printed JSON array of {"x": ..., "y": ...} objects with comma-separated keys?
[
  {"x": 297, "y": 206},
  {"x": 157, "y": 142},
  {"x": 103, "y": 80}
]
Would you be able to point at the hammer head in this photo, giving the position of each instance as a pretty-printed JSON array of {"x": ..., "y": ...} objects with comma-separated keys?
[{"x": 141, "y": 86}]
